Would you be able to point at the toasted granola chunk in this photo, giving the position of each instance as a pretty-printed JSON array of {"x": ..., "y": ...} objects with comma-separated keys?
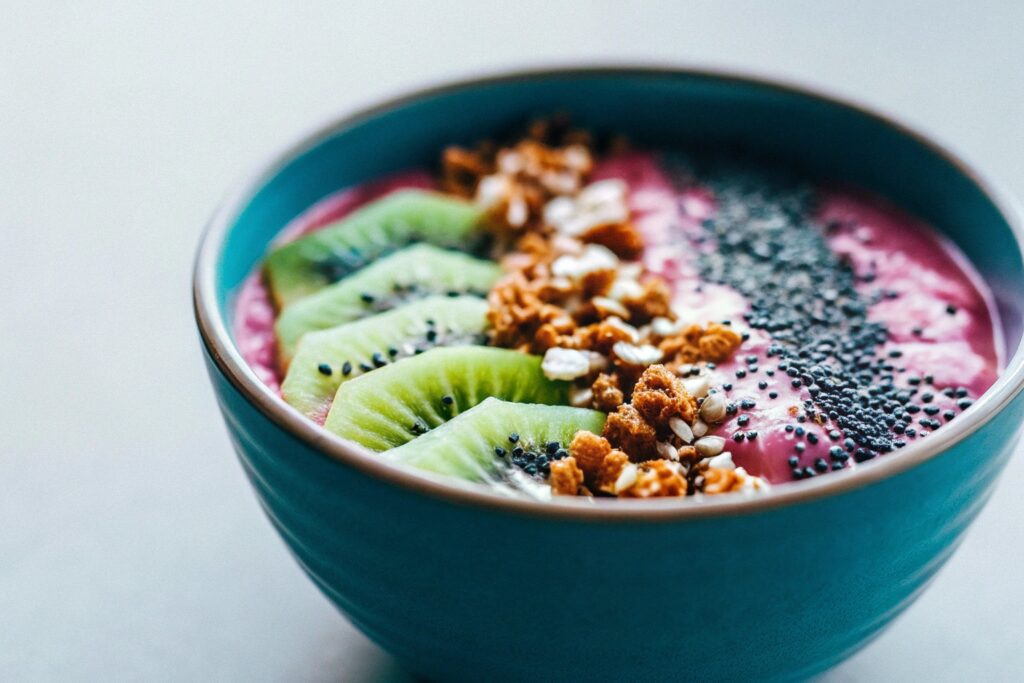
[
  {"x": 622, "y": 238},
  {"x": 718, "y": 342},
  {"x": 695, "y": 343},
  {"x": 589, "y": 451},
  {"x": 612, "y": 467},
  {"x": 659, "y": 395},
  {"x": 654, "y": 302},
  {"x": 566, "y": 477},
  {"x": 607, "y": 394},
  {"x": 627, "y": 431},
  {"x": 720, "y": 480},
  {"x": 658, "y": 479}
]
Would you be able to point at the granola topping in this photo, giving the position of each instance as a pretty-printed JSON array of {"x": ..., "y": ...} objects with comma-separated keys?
[{"x": 575, "y": 294}]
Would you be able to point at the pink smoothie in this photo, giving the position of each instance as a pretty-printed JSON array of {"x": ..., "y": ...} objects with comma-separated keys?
[
  {"x": 957, "y": 349},
  {"x": 941, "y": 324}
]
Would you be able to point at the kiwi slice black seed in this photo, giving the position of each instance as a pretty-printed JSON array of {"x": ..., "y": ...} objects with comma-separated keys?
[
  {"x": 414, "y": 272},
  {"x": 487, "y": 442},
  {"x": 326, "y": 359},
  {"x": 399, "y": 402},
  {"x": 310, "y": 263}
]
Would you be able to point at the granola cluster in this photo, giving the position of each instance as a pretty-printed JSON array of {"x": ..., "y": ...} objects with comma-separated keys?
[
  {"x": 575, "y": 293},
  {"x": 654, "y": 446},
  {"x": 515, "y": 183}
]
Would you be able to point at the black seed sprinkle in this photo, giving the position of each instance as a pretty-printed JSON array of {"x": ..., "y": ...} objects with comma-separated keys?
[
  {"x": 447, "y": 400},
  {"x": 325, "y": 369},
  {"x": 346, "y": 368}
]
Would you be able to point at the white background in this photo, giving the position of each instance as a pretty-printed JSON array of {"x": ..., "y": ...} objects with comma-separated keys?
[{"x": 130, "y": 545}]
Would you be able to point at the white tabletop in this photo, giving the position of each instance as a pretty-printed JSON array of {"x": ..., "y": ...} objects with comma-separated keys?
[{"x": 130, "y": 544}]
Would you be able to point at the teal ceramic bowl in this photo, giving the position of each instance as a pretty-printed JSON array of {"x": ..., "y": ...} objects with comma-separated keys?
[{"x": 461, "y": 584}]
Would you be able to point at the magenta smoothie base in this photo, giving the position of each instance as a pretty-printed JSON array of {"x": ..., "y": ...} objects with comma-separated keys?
[{"x": 941, "y": 324}]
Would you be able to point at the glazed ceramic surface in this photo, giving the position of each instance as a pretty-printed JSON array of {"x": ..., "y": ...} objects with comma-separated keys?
[{"x": 462, "y": 584}]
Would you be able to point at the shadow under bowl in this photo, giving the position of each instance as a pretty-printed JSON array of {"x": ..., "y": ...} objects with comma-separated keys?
[{"x": 459, "y": 583}]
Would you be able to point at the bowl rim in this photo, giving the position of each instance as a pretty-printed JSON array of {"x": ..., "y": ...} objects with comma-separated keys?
[{"x": 215, "y": 336}]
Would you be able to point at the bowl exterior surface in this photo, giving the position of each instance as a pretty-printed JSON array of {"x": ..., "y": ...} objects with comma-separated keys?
[{"x": 466, "y": 593}]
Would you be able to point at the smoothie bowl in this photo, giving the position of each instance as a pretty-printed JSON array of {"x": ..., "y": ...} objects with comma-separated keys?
[{"x": 617, "y": 373}]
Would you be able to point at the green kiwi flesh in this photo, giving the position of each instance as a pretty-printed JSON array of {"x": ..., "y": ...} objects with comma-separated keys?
[
  {"x": 412, "y": 273},
  {"x": 399, "y": 402},
  {"x": 477, "y": 445},
  {"x": 302, "y": 267},
  {"x": 324, "y": 360}
]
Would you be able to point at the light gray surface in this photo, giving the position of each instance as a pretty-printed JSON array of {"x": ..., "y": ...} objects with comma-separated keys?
[{"x": 130, "y": 545}]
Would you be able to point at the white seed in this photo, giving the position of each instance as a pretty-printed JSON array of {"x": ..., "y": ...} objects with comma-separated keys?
[
  {"x": 606, "y": 305},
  {"x": 722, "y": 461},
  {"x": 597, "y": 361},
  {"x": 565, "y": 364},
  {"x": 581, "y": 397},
  {"x": 698, "y": 386},
  {"x": 602, "y": 203},
  {"x": 640, "y": 356},
  {"x": 681, "y": 429},
  {"x": 492, "y": 190},
  {"x": 663, "y": 327},
  {"x": 709, "y": 446},
  {"x": 667, "y": 451},
  {"x": 713, "y": 408},
  {"x": 593, "y": 259},
  {"x": 618, "y": 323},
  {"x": 700, "y": 428},
  {"x": 626, "y": 478},
  {"x": 625, "y": 288},
  {"x": 558, "y": 210},
  {"x": 560, "y": 182},
  {"x": 609, "y": 191},
  {"x": 510, "y": 162},
  {"x": 576, "y": 157},
  {"x": 517, "y": 212}
]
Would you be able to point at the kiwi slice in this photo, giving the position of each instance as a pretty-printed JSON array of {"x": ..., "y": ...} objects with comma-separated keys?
[
  {"x": 492, "y": 440},
  {"x": 412, "y": 273},
  {"x": 310, "y": 263},
  {"x": 326, "y": 359},
  {"x": 397, "y": 403}
]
